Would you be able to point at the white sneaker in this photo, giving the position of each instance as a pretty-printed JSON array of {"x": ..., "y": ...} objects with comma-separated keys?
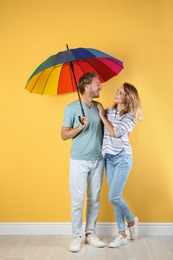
[
  {"x": 134, "y": 229},
  {"x": 93, "y": 240},
  {"x": 75, "y": 245},
  {"x": 118, "y": 241}
]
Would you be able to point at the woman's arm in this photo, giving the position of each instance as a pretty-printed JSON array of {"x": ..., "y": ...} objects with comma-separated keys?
[{"x": 108, "y": 126}]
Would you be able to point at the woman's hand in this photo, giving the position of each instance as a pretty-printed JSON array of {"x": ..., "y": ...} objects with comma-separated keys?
[{"x": 101, "y": 110}]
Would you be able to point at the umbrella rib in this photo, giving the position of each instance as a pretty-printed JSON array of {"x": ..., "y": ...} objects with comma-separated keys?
[
  {"x": 96, "y": 68},
  {"x": 98, "y": 71},
  {"x": 36, "y": 81},
  {"x": 93, "y": 66},
  {"x": 71, "y": 75},
  {"x": 47, "y": 80}
]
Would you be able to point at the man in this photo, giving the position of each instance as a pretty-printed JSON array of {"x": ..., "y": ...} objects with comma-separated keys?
[{"x": 86, "y": 162}]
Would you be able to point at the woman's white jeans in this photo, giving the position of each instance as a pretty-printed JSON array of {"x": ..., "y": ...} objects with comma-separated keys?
[{"x": 82, "y": 172}]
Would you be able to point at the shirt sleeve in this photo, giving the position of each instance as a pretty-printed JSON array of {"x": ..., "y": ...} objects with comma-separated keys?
[
  {"x": 124, "y": 126},
  {"x": 68, "y": 120}
]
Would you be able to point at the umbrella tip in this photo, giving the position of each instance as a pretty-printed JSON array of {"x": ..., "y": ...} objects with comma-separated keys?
[{"x": 67, "y": 46}]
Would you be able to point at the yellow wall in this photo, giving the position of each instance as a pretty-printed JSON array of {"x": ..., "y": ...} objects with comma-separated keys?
[{"x": 33, "y": 158}]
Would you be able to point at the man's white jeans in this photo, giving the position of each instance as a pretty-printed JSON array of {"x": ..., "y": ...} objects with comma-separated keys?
[{"x": 82, "y": 172}]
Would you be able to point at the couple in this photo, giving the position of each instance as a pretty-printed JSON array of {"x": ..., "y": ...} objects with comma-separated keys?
[{"x": 91, "y": 151}]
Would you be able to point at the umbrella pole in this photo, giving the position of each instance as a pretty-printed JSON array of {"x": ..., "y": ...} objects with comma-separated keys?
[{"x": 72, "y": 68}]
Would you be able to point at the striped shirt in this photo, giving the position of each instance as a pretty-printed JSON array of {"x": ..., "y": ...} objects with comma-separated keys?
[{"x": 122, "y": 125}]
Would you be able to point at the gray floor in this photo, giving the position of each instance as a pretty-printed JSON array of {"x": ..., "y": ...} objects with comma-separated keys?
[{"x": 56, "y": 247}]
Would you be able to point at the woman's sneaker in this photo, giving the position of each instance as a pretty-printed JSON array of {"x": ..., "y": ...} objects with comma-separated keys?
[
  {"x": 94, "y": 240},
  {"x": 134, "y": 229},
  {"x": 118, "y": 241},
  {"x": 75, "y": 245}
]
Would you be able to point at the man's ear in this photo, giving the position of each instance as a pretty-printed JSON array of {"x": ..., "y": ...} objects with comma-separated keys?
[{"x": 87, "y": 86}]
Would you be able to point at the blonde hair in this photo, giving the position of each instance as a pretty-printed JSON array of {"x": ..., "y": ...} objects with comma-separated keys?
[{"x": 132, "y": 102}]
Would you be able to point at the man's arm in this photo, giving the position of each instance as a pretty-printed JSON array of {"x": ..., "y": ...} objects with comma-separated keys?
[{"x": 68, "y": 133}]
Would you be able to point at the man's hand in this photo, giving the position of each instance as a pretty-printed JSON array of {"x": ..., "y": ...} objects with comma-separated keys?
[
  {"x": 68, "y": 133},
  {"x": 83, "y": 120}
]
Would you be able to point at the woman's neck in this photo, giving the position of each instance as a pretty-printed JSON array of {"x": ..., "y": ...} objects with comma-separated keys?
[{"x": 120, "y": 106}]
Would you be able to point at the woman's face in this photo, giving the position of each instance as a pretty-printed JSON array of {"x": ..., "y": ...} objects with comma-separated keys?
[{"x": 120, "y": 96}]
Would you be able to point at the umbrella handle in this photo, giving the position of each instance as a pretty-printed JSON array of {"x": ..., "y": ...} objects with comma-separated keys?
[{"x": 80, "y": 120}]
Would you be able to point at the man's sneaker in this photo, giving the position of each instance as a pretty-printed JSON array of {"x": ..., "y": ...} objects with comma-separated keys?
[
  {"x": 134, "y": 229},
  {"x": 118, "y": 241},
  {"x": 75, "y": 245},
  {"x": 93, "y": 240}
]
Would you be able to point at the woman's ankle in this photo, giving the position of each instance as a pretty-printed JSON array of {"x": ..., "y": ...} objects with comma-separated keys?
[
  {"x": 131, "y": 223},
  {"x": 123, "y": 233}
]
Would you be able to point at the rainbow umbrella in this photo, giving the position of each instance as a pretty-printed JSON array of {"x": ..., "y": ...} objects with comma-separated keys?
[{"x": 60, "y": 72}]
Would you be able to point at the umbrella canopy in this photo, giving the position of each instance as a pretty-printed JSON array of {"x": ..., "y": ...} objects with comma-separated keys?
[{"x": 60, "y": 72}]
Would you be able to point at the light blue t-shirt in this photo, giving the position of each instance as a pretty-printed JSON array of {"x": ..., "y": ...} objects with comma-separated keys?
[{"x": 87, "y": 144}]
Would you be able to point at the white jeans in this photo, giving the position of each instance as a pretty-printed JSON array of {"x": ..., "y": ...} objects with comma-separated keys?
[{"x": 82, "y": 172}]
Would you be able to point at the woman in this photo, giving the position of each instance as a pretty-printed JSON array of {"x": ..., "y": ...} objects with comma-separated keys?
[{"x": 118, "y": 123}]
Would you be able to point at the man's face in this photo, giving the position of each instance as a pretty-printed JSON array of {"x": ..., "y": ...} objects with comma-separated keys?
[{"x": 94, "y": 88}]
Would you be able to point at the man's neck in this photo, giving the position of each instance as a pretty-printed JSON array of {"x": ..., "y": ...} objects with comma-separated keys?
[{"x": 87, "y": 100}]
